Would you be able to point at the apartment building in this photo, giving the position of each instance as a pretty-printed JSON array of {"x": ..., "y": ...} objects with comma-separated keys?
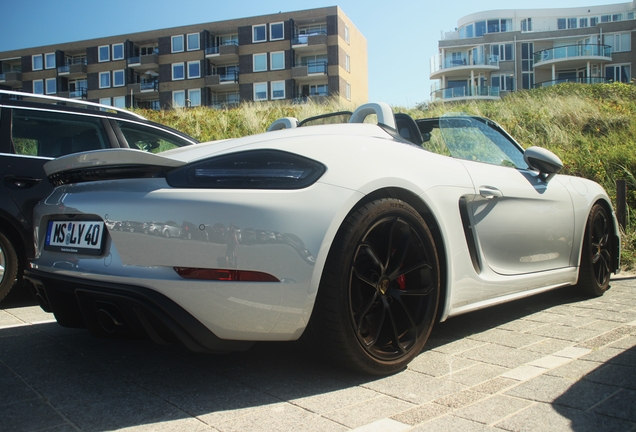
[
  {"x": 495, "y": 52},
  {"x": 284, "y": 56}
]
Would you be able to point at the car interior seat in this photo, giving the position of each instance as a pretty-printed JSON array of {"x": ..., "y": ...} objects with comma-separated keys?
[{"x": 407, "y": 128}]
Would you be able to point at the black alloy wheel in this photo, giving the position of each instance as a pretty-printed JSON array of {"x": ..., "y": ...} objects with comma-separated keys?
[
  {"x": 596, "y": 257},
  {"x": 380, "y": 290}
]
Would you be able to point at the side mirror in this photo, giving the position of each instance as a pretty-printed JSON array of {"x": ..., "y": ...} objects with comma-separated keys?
[{"x": 544, "y": 161}]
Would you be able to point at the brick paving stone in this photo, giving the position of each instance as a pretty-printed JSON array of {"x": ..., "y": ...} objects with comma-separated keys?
[
  {"x": 476, "y": 374},
  {"x": 414, "y": 387},
  {"x": 495, "y": 385},
  {"x": 493, "y": 409},
  {"x": 450, "y": 423},
  {"x": 542, "y": 417},
  {"x": 368, "y": 411},
  {"x": 621, "y": 405},
  {"x": 507, "y": 338},
  {"x": 545, "y": 388},
  {"x": 564, "y": 332},
  {"x": 575, "y": 370},
  {"x": 421, "y": 413},
  {"x": 460, "y": 399},
  {"x": 437, "y": 364},
  {"x": 501, "y": 356}
]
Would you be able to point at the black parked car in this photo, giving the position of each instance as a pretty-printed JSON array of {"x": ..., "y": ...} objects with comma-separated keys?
[{"x": 35, "y": 129}]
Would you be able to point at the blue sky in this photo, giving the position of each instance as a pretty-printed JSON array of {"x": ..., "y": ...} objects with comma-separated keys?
[{"x": 401, "y": 35}]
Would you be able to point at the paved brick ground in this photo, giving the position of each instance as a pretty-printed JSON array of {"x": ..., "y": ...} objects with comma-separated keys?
[{"x": 552, "y": 362}]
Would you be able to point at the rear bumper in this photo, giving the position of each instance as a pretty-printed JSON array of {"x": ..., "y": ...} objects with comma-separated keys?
[{"x": 117, "y": 310}]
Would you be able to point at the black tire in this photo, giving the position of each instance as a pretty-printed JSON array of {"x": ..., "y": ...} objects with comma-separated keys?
[
  {"x": 379, "y": 291},
  {"x": 596, "y": 254},
  {"x": 8, "y": 265}
]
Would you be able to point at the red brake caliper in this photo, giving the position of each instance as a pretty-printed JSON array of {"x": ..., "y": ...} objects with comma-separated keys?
[{"x": 401, "y": 280}]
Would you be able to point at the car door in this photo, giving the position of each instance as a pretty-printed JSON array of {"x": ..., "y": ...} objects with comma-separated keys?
[
  {"x": 521, "y": 222},
  {"x": 37, "y": 136}
]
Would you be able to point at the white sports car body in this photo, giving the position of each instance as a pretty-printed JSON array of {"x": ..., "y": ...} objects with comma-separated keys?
[{"x": 357, "y": 236}]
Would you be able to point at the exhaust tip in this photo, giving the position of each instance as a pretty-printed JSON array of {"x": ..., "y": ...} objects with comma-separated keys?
[{"x": 107, "y": 322}]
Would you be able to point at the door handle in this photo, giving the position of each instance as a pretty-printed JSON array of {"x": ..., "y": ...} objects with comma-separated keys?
[
  {"x": 489, "y": 192},
  {"x": 22, "y": 181}
]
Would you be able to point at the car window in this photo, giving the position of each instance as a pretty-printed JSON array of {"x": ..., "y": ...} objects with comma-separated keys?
[
  {"x": 54, "y": 134},
  {"x": 150, "y": 139},
  {"x": 475, "y": 139}
]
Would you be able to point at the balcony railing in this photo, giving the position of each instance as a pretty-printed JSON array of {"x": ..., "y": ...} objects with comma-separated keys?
[
  {"x": 465, "y": 92},
  {"x": 216, "y": 49},
  {"x": 80, "y": 93},
  {"x": 455, "y": 62},
  {"x": 228, "y": 77},
  {"x": 149, "y": 85},
  {"x": 585, "y": 80},
  {"x": 304, "y": 38},
  {"x": 316, "y": 66},
  {"x": 572, "y": 52}
]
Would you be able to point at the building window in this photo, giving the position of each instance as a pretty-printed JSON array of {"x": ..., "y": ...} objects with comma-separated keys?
[
  {"x": 259, "y": 33},
  {"x": 49, "y": 61},
  {"x": 194, "y": 97},
  {"x": 617, "y": 73},
  {"x": 177, "y": 43},
  {"x": 278, "y": 90},
  {"x": 104, "y": 79},
  {"x": 348, "y": 91},
  {"x": 38, "y": 87},
  {"x": 593, "y": 21},
  {"x": 276, "y": 31},
  {"x": 103, "y": 53},
  {"x": 347, "y": 63},
  {"x": 503, "y": 82},
  {"x": 561, "y": 23},
  {"x": 119, "y": 102},
  {"x": 526, "y": 25},
  {"x": 118, "y": 51},
  {"x": 572, "y": 23},
  {"x": 277, "y": 60},
  {"x": 178, "y": 99},
  {"x": 178, "y": 72},
  {"x": 582, "y": 22},
  {"x": 260, "y": 91},
  {"x": 193, "y": 42},
  {"x": 480, "y": 28},
  {"x": 527, "y": 66},
  {"x": 194, "y": 69},
  {"x": 118, "y": 78},
  {"x": 104, "y": 101},
  {"x": 260, "y": 62},
  {"x": 346, "y": 31},
  {"x": 620, "y": 42},
  {"x": 502, "y": 52},
  {"x": 36, "y": 62}
]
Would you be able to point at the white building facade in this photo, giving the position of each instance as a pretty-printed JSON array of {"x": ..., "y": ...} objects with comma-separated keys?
[{"x": 494, "y": 52}]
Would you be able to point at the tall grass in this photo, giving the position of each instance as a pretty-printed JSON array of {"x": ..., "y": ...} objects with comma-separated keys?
[{"x": 592, "y": 128}]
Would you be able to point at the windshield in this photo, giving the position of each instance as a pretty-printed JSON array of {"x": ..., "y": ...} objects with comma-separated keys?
[{"x": 471, "y": 138}]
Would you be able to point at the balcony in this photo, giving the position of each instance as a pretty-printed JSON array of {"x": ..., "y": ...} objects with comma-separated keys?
[
  {"x": 310, "y": 42},
  {"x": 227, "y": 53},
  {"x": 76, "y": 69},
  {"x": 145, "y": 89},
  {"x": 80, "y": 93},
  {"x": 12, "y": 78},
  {"x": 584, "y": 80},
  {"x": 572, "y": 56},
  {"x": 461, "y": 66},
  {"x": 466, "y": 93},
  {"x": 310, "y": 72},
  {"x": 144, "y": 63},
  {"x": 222, "y": 82}
]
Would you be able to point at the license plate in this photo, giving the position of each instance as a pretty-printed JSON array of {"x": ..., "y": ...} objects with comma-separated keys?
[{"x": 84, "y": 237}]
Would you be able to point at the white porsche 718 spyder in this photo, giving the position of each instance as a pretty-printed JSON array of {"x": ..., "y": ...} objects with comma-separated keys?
[{"x": 357, "y": 236}]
